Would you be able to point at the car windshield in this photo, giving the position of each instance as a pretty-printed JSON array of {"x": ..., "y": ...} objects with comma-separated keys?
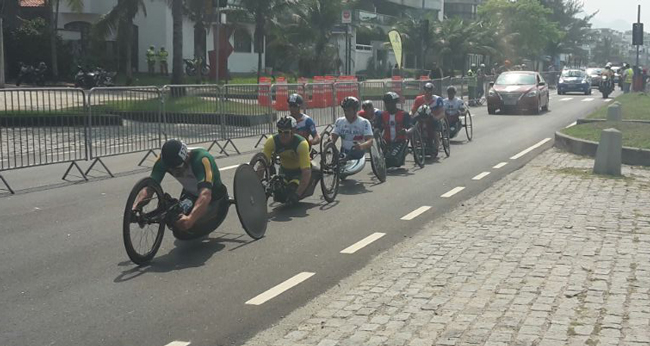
[
  {"x": 573, "y": 73},
  {"x": 515, "y": 79}
]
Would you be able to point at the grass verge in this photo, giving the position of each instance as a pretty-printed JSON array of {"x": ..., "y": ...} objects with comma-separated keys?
[
  {"x": 188, "y": 104},
  {"x": 636, "y": 106},
  {"x": 635, "y": 135}
]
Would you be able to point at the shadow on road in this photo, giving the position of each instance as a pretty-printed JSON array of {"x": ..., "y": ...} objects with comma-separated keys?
[{"x": 284, "y": 213}]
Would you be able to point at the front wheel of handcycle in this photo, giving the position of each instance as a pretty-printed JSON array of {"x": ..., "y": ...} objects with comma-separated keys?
[
  {"x": 329, "y": 181},
  {"x": 263, "y": 169},
  {"x": 144, "y": 227},
  {"x": 445, "y": 137},
  {"x": 418, "y": 147},
  {"x": 468, "y": 125}
]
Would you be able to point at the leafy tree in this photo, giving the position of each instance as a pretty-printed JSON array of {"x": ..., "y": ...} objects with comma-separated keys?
[
  {"x": 576, "y": 30},
  {"x": 177, "y": 41},
  {"x": 606, "y": 51}
]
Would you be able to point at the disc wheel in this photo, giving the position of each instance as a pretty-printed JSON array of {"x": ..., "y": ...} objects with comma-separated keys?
[
  {"x": 468, "y": 125},
  {"x": 329, "y": 182},
  {"x": 144, "y": 228},
  {"x": 445, "y": 137},
  {"x": 264, "y": 171},
  {"x": 418, "y": 148},
  {"x": 377, "y": 159}
]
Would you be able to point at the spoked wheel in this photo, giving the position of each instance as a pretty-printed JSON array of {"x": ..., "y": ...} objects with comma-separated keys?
[
  {"x": 329, "y": 182},
  {"x": 445, "y": 137},
  {"x": 377, "y": 158},
  {"x": 468, "y": 125},
  {"x": 144, "y": 228},
  {"x": 263, "y": 170},
  {"x": 325, "y": 137},
  {"x": 418, "y": 147}
]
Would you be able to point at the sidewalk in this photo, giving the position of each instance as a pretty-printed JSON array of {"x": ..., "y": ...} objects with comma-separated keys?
[{"x": 549, "y": 255}]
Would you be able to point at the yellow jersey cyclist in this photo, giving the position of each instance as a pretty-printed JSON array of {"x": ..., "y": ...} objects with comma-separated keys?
[
  {"x": 203, "y": 196},
  {"x": 295, "y": 163}
]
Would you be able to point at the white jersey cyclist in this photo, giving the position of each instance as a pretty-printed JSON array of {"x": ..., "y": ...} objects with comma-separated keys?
[
  {"x": 352, "y": 132},
  {"x": 454, "y": 106}
]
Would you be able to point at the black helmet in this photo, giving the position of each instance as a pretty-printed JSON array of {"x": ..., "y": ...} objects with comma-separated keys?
[
  {"x": 391, "y": 97},
  {"x": 350, "y": 102},
  {"x": 173, "y": 153},
  {"x": 451, "y": 88},
  {"x": 366, "y": 104},
  {"x": 423, "y": 111},
  {"x": 287, "y": 123},
  {"x": 295, "y": 99},
  {"x": 428, "y": 86}
]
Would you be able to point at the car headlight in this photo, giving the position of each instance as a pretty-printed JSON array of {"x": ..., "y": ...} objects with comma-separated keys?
[
  {"x": 561, "y": 80},
  {"x": 532, "y": 93}
]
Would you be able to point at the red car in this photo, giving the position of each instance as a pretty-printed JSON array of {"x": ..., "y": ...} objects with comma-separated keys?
[{"x": 518, "y": 91}]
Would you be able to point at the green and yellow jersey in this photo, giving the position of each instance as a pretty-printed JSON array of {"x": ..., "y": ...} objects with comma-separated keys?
[
  {"x": 201, "y": 173},
  {"x": 294, "y": 156}
]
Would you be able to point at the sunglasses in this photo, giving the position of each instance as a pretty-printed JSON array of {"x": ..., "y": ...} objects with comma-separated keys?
[
  {"x": 284, "y": 132},
  {"x": 294, "y": 105}
]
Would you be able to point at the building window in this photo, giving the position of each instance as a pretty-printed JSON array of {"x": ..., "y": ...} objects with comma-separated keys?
[{"x": 242, "y": 41}]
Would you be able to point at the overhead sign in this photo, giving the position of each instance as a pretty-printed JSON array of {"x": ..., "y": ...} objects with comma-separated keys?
[
  {"x": 346, "y": 17},
  {"x": 396, "y": 42}
]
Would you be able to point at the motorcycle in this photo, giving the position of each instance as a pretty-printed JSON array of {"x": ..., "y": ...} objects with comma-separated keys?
[
  {"x": 191, "y": 67},
  {"x": 606, "y": 86},
  {"x": 32, "y": 75},
  {"x": 96, "y": 78}
]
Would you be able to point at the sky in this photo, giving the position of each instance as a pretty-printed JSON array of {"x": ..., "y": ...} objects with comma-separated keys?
[{"x": 618, "y": 14}]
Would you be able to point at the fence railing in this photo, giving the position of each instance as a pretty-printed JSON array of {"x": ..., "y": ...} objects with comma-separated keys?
[{"x": 64, "y": 125}]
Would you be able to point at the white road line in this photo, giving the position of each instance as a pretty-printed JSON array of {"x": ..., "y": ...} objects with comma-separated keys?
[
  {"x": 362, "y": 243},
  {"x": 566, "y": 99},
  {"x": 607, "y": 100},
  {"x": 415, "y": 213},
  {"x": 178, "y": 343},
  {"x": 481, "y": 176},
  {"x": 500, "y": 165},
  {"x": 279, "y": 289},
  {"x": 453, "y": 192},
  {"x": 227, "y": 168},
  {"x": 530, "y": 149},
  {"x": 572, "y": 124},
  {"x": 588, "y": 99}
]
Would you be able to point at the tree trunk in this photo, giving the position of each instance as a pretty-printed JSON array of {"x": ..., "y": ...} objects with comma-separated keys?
[
  {"x": 129, "y": 52},
  {"x": 2, "y": 53},
  {"x": 177, "y": 42},
  {"x": 54, "y": 20},
  {"x": 259, "y": 31}
]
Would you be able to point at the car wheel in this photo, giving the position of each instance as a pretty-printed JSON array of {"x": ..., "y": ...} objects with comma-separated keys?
[
  {"x": 491, "y": 110},
  {"x": 537, "y": 110},
  {"x": 548, "y": 103}
]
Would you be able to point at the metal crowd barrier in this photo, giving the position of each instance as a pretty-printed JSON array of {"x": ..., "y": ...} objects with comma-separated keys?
[
  {"x": 41, "y": 127},
  {"x": 242, "y": 115}
]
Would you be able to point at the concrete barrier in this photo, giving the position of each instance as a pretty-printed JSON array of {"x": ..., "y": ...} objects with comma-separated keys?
[
  {"x": 583, "y": 147},
  {"x": 614, "y": 112},
  {"x": 609, "y": 153}
]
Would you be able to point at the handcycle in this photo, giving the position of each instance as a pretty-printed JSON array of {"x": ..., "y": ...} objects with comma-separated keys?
[
  {"x": 276, "y": 184},
  {"x": 414, "y": 145},
  {"x": 348, "y": 167},
  {"x": 421, "y": 124},
  {"x": 143, "y": 227},
  {"x": 465, "y": 123}
]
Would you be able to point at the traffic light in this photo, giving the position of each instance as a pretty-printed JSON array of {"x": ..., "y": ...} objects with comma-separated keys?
[
  {"x": 637, "y": 34},
  {"x": 219, "y": 3}
]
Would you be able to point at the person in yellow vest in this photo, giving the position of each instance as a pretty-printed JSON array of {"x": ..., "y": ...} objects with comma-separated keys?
[
  {"x": 628, "y": 76},
  {"x": 162, "y": 59},
  {"x": 151, "y": 59}
]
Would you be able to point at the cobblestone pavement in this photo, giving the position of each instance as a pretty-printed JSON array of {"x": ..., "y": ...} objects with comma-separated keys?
[{"x": 549, "y": 255}]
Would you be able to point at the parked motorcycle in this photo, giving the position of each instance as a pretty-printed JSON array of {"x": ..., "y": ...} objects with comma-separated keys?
[
  {"x": 87, "y": 79},
  {"x": 606, "y": 86},
  {"x": 31, "y": 75},
  {"x": 192, "y": 65}
]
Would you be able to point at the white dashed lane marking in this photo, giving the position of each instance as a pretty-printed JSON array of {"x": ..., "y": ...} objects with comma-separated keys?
[
  {"x": 227, "y": 168},
  {"x": 500, "y": 165},
  {"x": 530, "y": 149},
  {"x": 588, "y": 99},
  {"x": 279, "y": 289},
  {"x": 481, "y": 176},
  {"x": 178, "y": 343},
  {"x": 607, "y": 100},
  {"x": 571, "y": 125},
  {"x": 567, "y": 99},
  {"x": 362, "y": 243},
  {"x": 415, "y": 213},
  {"x": 453, "y": 191}
]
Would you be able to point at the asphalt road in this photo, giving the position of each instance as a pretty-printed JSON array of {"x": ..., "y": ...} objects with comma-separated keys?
[{"x": 66, "y": 279}]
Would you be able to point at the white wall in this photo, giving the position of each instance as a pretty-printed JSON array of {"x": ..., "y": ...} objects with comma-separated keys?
[{"x": 157, "y": 21}]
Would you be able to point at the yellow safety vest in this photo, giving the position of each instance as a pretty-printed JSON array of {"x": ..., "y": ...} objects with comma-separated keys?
[{"x": 629, "y": 76}]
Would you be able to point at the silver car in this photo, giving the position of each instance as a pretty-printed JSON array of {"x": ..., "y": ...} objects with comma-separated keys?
[{"x": 594, "y": 73}]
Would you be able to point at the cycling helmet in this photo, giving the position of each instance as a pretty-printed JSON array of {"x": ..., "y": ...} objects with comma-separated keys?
[
  {"x": 608, "y": 67},
  {"x": 174, "y": 153},
  {"x": 428, "y": 86},
  {"x": 423, "y": 111},
  {"x": 482, "y": 65},
  {"x": 295, "y": 99},
  {"x": 367, "y": 104},
  {"x": 350, "y": 102},
  {"x": 451, "y": 88},
  {"x": 287, "y": 123},
  {"x": 391, "y": 97}
]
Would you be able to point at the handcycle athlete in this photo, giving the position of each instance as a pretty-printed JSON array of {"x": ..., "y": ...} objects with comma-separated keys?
[
  {"x": 393, "y": 123},
  {"x": 430, "y": 126}
]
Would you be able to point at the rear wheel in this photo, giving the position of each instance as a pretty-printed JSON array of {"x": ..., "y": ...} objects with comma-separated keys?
[
  {"x": 143, "y": 229},
  {"x": 469, "y": 126},
  {"x": 329, "y": 182},
  {"x": 445, "y": 137},
  {"x": 417, "y": 147}
]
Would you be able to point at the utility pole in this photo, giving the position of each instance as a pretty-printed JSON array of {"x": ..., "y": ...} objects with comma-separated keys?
[
  {"x": 217, "y": 42},
  {"x": 2, "y": 51},
  {"x": 638, "y": 20}
]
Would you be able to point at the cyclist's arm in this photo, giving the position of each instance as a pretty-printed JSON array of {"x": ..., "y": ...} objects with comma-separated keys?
[
  {"x": 157, "y": 173},
  {"x": 315, "y": 137},
  {"x": 416, "y": 104},
  {"x": 438, "y": 109},
  {"x": 335, "y": 132},
  {"x": 269, "y": 148},
  {"x": 367, "y": 137},
  {"x": 305, "y": 167}
]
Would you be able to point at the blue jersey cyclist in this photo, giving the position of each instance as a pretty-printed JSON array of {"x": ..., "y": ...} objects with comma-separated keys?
[
  {"x": 305, "y": 126},
  {"x": 369, "y": 112}
]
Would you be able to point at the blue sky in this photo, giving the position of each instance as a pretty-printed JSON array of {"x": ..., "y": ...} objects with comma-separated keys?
[{"x": 618, "y": 14}]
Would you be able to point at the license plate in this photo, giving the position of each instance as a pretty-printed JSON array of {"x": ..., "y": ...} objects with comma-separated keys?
[{"x": 510, "y": 101}]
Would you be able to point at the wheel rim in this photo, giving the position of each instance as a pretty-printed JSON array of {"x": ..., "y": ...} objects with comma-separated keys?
[
  {"x": 418, "y": 148},
  {"x": 445, "y": 138},
  {"x": 330, "y": 172},
  {"x": 143, "y": 230},
  {"x": 469, "y": 128}
]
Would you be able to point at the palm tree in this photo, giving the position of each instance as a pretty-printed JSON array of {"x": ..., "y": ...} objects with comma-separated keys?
[
  {"x": 53, "y": 6},
  {"x": 177, "y": 41},
  {"x": 120, "y": 20},
  {"x": 262, "y": 12}
]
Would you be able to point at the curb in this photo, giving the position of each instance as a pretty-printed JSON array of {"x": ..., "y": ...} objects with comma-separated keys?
[
  {"x": 629, "y": 156},
  {"x": 587, "y": 121}
]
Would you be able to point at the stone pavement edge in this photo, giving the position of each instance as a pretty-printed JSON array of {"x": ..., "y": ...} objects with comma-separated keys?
[{"x": 549, "y": 255}]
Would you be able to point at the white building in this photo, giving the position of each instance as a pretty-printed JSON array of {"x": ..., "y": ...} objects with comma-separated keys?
[{"x": 156, "y": 29}]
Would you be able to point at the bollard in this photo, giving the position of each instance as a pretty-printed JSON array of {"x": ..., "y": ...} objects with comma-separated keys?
[
  {"x": 608, "y": 154},
  {"x": 614, "y": 112}
]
